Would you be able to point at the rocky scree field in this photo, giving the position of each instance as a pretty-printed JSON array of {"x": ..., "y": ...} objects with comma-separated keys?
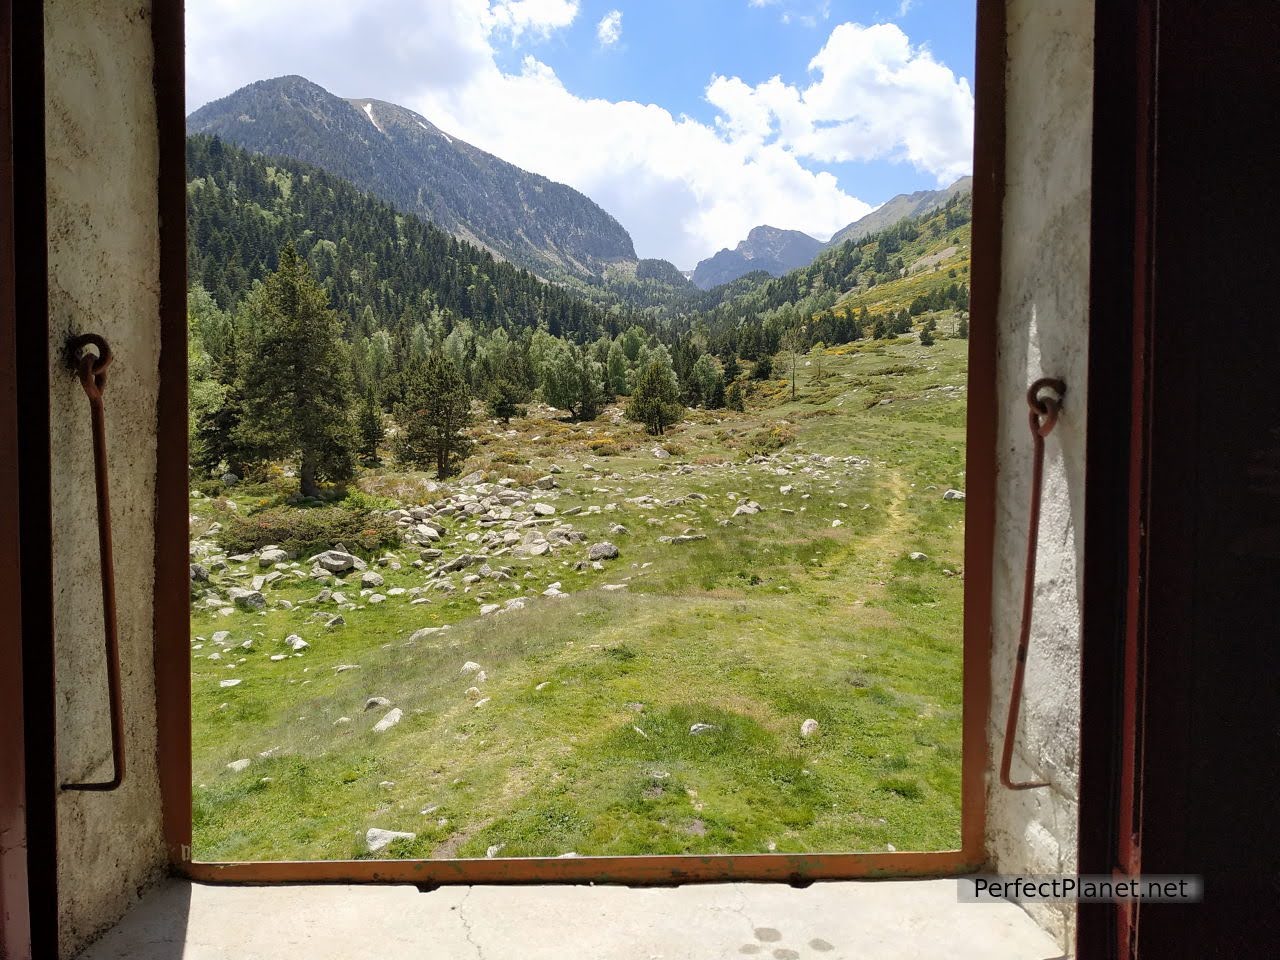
[{"x": 742, "y": 637}]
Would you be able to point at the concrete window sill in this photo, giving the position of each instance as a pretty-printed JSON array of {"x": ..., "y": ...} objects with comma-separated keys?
[{"x": 885, "y": 920}]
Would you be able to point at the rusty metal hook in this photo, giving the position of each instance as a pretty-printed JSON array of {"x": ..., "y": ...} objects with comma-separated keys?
[
  {"x": 1043, "y": 417},
  {"x": 91, "y": 368}
]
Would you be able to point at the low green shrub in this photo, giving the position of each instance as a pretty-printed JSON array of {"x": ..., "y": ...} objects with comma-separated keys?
[
  {"x": 306, "y": 532},
  {"x": 769, "y": 439}
]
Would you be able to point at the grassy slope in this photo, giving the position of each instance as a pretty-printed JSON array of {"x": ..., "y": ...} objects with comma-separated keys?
[
  {"x": 773, "y": 619},
  {"x": 929, "y": 262}
]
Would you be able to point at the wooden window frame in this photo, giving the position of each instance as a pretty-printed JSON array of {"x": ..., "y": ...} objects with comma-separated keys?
[{"x": 172, "y": 605}]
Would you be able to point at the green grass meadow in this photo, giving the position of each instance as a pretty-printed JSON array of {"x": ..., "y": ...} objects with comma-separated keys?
[{"x": 810, "y": 609}]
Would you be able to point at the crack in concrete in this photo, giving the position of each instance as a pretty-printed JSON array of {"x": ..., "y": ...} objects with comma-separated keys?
[
  {"x": 741, "y": 910},
  {"x": 466, "y": 924}
]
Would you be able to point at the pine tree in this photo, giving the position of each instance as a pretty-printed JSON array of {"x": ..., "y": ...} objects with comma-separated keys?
[
  {"x": 369, "y": 425},
  {"x": 733, "y": 398},
  {"x": 655, "y": 401},
  {"x": 706, "y": 382},
  {"x": 435, "y": 412},
  {"x": 508, "y": 393},
  {"x": 732, "y": 368},
  {"x": 294, "y": 377},
  {"x": 962, "y": 328}
]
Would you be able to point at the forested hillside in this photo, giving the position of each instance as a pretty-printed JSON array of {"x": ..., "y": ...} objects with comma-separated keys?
[
  {"x": 402, "y": 292},
  {"x": 403, "y": 158},
  {"x": 384, "y": 270},
  {"x": 874, "y": 287}
]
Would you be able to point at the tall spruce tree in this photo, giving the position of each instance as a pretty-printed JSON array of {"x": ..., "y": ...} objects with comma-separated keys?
[
  {"x": 369, "y": 424},
  {"x": 435, "y": 412},
  {"x": 294, "y": 384}
]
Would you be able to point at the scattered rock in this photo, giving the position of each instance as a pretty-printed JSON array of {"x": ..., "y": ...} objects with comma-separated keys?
[
  {"x": 268, "y": 556},
  {"x": 809, "y": 728},
  {"x": 470, "y": 667},
  {"x": 543, "y": 685},
  {"x": 698, "y": 729},
  {"x": 837, "y": 523},
  {"x": 247, "y": 599},
  {"x": 544, "y": 509},
  {"x": 371, "y": 579},
  {"x": 341, "y": 720},
  {"x": 602, "y": 551},
  {"x": 376, "y": 840},
  {"x": 236, "y": 766},
  {"x": 953, "y": 495},
  {"x": 199, "y": 574},
  {"x": 373, "y": 702},
  {"x": 230, "y": 683},
  {"x": 494, "y": 851},
  {"x": 296, "y": 643},
  {"x": 482, "y": 701},
  {"x": 389, "y": 721},
  {"x": 917, "y": 555},
  {"x": 337, "y": 561}
]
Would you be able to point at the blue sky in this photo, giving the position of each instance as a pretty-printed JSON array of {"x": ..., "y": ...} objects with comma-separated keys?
[
  {"x": 670, "y": 50},
  {"x": 667, "y": 113}
]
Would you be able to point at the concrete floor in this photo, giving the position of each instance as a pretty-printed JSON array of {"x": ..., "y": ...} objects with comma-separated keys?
[{"x": 887, "y": 920}]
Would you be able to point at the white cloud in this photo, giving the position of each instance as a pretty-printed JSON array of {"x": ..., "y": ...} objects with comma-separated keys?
[
  {"x": 903, "y": 7},
  {"x": 875, "y": 96},
  {"x": 609, "y": 29},
  {"x": 534, "y": 16},
  {"x": 683, "y": 188}
]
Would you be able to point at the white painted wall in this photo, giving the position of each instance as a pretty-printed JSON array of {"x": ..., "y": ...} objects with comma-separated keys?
[
  {"x": 1042, "y": 331},
  {"x": 103, "y": 277}
]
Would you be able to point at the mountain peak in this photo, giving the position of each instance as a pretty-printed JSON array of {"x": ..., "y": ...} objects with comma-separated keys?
[
  {"x": 766, "y": 248},
  {"x": 403, "y": 158},
  {"x": 899, "y": 208}
]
